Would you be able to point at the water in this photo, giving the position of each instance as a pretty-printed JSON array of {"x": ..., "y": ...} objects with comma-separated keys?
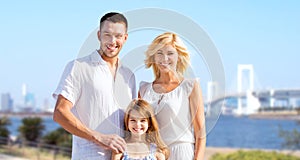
[
  {"x": 244, "y": 132},
  {"x": 233, "y": 132},
  {"x": 50, "y": 125}
]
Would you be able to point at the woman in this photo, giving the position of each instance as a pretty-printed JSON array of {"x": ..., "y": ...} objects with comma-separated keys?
[{"x": 177, "y": 101}]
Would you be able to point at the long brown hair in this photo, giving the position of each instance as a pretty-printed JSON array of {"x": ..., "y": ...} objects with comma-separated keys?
[{"x": 152, "y": 134}]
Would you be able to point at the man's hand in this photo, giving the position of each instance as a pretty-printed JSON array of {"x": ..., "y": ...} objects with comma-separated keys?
[{"x": 111, "y": 141}]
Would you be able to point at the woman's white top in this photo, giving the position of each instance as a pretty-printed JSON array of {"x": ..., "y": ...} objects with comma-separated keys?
[{"x": 172, "y": 111}]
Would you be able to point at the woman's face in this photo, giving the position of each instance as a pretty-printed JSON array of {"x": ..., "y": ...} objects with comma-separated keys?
[{"x": 166, "y": 59}]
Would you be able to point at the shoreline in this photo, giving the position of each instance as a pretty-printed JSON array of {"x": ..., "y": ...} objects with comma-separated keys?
[
  {"x": 279, "y": 115},
  {"x": 24, "y": 114},
  {"x": 210, "y": 151}
]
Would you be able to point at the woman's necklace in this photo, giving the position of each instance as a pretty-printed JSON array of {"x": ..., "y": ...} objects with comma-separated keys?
[{"x": 160, "y": 98}]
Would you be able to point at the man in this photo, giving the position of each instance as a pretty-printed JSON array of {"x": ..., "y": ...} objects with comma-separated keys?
[{"x": 87, "y": 105}]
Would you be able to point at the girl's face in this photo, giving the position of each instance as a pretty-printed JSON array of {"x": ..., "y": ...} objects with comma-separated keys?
[
  {"x": 137, "y": 124},
  {"x": 166, "y": 58}
]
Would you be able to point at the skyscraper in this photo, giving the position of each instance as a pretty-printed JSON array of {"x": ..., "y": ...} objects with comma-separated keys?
[
  {"x": 29, "y": 100},
  {"x": 6, "y": 103}
]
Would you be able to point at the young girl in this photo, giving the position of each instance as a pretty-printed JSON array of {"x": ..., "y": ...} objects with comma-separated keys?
[{"x": 142, "y": 134}]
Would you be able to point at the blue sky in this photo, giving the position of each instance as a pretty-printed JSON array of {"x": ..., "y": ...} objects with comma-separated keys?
[{"x": 38, "y": 38}]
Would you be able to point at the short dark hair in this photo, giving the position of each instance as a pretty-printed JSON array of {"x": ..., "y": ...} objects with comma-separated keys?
[{"x": 115, "y": 18}]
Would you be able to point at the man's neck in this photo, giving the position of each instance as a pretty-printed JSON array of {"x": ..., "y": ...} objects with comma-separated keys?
[{"x": 112, "y": 62}]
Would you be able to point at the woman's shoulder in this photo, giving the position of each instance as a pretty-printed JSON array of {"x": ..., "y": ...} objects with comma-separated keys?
[
  {"x": 189, "y": 83},
  {"x": 144, "y": 83},
  {"x": 191, "y": 80},
  {"x": 143, "y": 87}
]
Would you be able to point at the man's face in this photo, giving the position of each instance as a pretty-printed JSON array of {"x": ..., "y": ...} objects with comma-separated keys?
[{"x": 112, "y": 36}]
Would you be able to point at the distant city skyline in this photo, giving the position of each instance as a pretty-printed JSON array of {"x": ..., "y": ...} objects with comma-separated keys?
[
  {"x": 27, "y": 103},
  {"x": 38, "y": 38}
]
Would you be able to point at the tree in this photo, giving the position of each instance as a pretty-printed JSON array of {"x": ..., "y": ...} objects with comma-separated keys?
[
  {"x": 291, "y": 138},
  {"x": 31, "y": 129},
  {"x": 59, "y": 137},
  {"x": 4, "y": 132}
]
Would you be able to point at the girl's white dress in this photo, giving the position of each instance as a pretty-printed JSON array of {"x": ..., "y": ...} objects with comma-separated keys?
[{"x": 173, "y": 115}]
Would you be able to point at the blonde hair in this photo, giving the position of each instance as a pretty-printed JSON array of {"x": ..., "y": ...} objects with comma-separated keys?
[
  {"x": 161, "y": 41},
  {"x": 152, "y": 134}
]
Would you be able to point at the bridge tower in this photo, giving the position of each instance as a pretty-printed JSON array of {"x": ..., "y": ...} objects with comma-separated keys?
[
  {"x": 212, "y": 92},
  {"x": 252, "y": 102},
  {"x": 241, "y": 69}
]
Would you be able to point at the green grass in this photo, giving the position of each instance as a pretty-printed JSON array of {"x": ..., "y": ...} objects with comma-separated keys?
[{"x": 253, "y": 155}]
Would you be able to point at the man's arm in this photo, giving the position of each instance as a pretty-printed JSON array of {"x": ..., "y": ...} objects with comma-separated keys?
[{"x": 64, "y": 116}]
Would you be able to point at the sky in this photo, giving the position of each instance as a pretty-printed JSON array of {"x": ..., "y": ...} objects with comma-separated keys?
[{"x": 38, "y": 38}]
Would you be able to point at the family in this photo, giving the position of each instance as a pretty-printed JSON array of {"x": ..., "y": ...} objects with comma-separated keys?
[{"x": 97, "y": 101}]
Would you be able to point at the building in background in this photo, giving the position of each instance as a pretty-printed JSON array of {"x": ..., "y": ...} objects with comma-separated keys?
[
  {"x": 6, "y": 103},
  {"x": 28, "y": 101}
]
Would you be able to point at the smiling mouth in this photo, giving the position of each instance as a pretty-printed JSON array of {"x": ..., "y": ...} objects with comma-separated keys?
[
  {"x": 138, "y": 130},
  {"x": 112, "y": 47},
  {"x": 165, "y": 64}
]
